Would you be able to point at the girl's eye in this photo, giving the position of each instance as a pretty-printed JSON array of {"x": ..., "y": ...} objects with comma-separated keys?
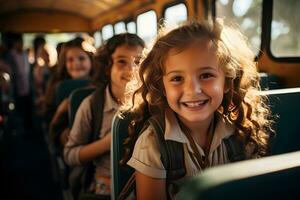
[
  {"x": 176, "y": 79},
  {"x": 206, "y": 76},
  {"x": 81, "y": 58},
  {"x": 121, "y": 62}
]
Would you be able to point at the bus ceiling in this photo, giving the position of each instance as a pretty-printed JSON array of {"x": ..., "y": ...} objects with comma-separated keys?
[{"x": 62, "y": 15}]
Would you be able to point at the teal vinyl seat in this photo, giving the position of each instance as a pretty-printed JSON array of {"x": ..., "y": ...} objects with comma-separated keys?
[
  {"x": 120, "y": 174},
  {"x": 76, "y": 97},
  {"x": 273, "y": 177},
  {"x": 269, "y": 81},
  {"x": 285, "y": 103},
  {"x": 66, "y": 87}
]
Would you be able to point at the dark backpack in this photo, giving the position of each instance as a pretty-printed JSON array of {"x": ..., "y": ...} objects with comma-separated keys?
[
  {"x": 83, "y": 175},
  {"x": 172, "y": 153}
]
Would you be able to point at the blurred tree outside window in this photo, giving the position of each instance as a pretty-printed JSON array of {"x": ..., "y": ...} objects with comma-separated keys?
[
  {"x": 247, "y": 15},
  {"x": 285, "y": 30}
]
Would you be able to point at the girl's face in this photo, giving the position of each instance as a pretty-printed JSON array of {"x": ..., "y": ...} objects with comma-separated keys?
[
  {"x": 193, "y": 83},
  {"x": 78, "y": 63},
  {"x": 123, "y": 60}
]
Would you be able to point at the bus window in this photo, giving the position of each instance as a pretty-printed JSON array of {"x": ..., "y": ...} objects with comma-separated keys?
[
  {"x": 120, "y": 28},
  {"x": 52, "y": 39},
  {"x": 146, "y": 26},
  {"x": 107, "y": 32},
  {"x": 97, "y": 39},
  {"x": 131, "y": 27},
  {"x": 285, "y": 29},
  {"x": 176, "y": 14},
  {"x": 247, "y": 14}
]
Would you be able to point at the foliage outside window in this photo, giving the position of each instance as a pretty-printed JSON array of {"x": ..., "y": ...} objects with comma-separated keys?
[
  {"x": 285, "y": 30},
  {"x": 246, "y": 14}
]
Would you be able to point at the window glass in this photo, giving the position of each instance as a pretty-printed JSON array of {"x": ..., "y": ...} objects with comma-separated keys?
[
  {"x": 131, "y": 27},
  {"x": 52, "y": 40},
  {"x": 285, "y": 30},
  {"x": 176, "y": 14},
  {"x": 107, "y": 32},
  {"x": 120, "y": 28},
  {"x": 246, "y": 14},
  {"x": 147, "y": 26},
  {"x": 97, "y": 39}
]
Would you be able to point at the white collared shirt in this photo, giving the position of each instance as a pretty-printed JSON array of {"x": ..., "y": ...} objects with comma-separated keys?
[
  {"x": 82, "y": 128},
  {"x": 146, "y": 154}
]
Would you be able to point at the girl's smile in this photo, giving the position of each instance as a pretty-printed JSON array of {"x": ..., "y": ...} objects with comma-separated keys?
[{"x": 195, "y": 105}]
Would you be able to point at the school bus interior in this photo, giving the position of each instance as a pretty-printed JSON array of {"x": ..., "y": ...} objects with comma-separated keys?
[{"x": 33, "y": 169}]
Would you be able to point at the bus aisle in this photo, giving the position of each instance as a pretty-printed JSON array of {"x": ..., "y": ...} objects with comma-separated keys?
[{"x": 25, "y": 166}]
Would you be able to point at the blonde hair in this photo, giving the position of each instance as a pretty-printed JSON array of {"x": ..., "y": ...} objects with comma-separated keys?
[{"x": 242, "y": 105}]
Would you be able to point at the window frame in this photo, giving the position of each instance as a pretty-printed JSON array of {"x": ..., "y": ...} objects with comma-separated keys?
[{"x": 268, "y": 17}]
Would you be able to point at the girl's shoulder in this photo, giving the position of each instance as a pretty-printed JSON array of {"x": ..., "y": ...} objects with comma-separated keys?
[
  {"x": 147, "y": 139},
  {"x": 146, "y": 156}
]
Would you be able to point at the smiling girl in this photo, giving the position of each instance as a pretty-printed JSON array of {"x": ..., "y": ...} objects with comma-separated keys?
[{"x": 200, "y": 83}]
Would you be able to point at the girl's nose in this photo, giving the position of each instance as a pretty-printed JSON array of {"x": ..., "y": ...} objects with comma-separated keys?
[
  {"x": 77, "y": 63},
  {"x": 193, "y": 86}
]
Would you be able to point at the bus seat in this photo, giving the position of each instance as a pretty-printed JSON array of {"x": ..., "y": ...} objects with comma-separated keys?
[
  {"x": 285, "y": 103},
  {"x": 120, "y": 174},
  {"x": 76, "y": 97},
  {"x": 269, "y": 81},
  {"x": 64, "y": 88},
  {"x": 273, "y": 177}
]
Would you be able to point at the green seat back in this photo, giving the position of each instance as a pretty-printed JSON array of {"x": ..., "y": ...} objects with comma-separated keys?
[
  {"x": 285, "y": 103},
  {"x": 64, "y": 88},
  {"x": 76, "y": 97},
  {"x": 274, "y": 177},
  {"x": 120, "y": 174}
]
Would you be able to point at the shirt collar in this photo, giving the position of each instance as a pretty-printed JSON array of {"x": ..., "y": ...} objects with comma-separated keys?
[
  {"x": 173, "y": 131},
  {"x": 110, "y": 103}
]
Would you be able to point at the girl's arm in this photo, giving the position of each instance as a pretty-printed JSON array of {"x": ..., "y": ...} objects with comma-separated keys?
[
  {"x": 59, "y": 121},
  {"x": 148, "y": 188},
  {"x": 91, "y": 151}
]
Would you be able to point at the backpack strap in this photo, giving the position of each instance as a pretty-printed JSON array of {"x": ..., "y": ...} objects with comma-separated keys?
[
  {"x": 172, "y": 153},
  {"x": 235, "y": 148},
  {"x": 97, "y": 105}
]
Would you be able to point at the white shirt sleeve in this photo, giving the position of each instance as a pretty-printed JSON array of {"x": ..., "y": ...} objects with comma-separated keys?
[
  {"x": 79, "y": 133},
  {"x": 146, "y": 157}
]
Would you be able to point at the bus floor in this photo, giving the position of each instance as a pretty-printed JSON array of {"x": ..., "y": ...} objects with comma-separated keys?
[{"x": 25, "y": 171}]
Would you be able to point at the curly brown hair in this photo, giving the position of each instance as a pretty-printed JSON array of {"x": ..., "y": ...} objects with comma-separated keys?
[
  {"x": 242, "y": 105},
  {"x": 103, "y": 57}
]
